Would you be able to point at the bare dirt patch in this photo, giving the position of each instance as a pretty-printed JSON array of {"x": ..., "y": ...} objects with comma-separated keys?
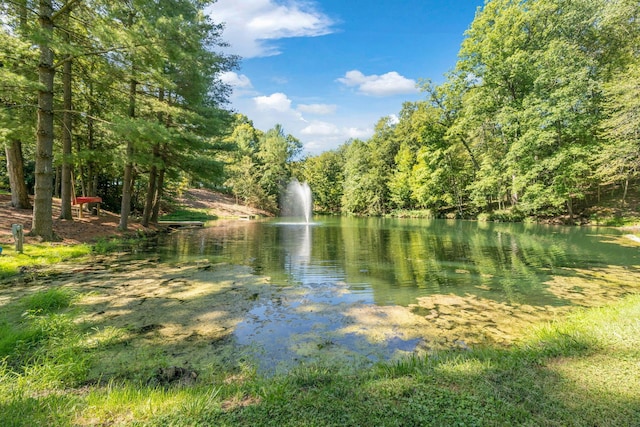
[
  {"x": 220, "y": 205},
  {"x": 90, "y": 228}
]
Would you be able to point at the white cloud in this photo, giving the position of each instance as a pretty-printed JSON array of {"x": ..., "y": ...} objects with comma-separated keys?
[
  {"x": 330, "y": 136},
  {"x": 267, "y": 111},
  {"x": 235, "y": 80},
  {"x": 318, "y": 128},
  {"x": 387, "y": 84},
  {"x": 319, "y": 109},
  {"x": 358, "y": 133},
  {"x": 251, "y": 26},
  {"x": 277, "y": 101}
]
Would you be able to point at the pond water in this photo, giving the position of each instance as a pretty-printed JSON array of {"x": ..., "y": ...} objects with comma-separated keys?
[{"x": 372, "y": 289}]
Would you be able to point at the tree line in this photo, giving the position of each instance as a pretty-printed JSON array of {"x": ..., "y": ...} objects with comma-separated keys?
[
  {"x": 541, "y": 112},
  {"x": 123, "y": 100}
]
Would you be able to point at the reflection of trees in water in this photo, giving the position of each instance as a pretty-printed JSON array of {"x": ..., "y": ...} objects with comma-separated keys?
[
  {"x": 504, "y": 262},
  {"x": 400, "y": 259}
]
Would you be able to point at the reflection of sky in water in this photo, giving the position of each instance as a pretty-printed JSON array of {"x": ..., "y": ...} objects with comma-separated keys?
[{"x": 303, "y": 323}]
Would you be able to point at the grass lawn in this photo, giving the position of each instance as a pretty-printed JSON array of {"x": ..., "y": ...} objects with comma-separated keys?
[
  {"x": 38, "y": 255},
  {"x": 583, "y": 371}
]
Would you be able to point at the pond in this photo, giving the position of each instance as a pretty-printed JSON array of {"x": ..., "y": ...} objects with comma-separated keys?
[{"x": 374, "y": 289}]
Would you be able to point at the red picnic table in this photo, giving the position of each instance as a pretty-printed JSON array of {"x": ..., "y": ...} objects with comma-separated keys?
[{"x": 80, "y": 201}]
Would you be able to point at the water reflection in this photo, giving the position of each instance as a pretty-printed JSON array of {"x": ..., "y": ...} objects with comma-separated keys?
[
  {"x": 296, "y": 242},
  {"x": 331, "y": 276}
]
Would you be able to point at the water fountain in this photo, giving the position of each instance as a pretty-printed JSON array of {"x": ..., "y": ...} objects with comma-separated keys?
[{"x": 297, "y": 201}]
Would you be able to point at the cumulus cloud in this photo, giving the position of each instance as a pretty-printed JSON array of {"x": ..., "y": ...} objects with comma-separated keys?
[
  {"x": 387, "y": 84},
  {"x": 252, "y": 26},
  {"x": 358, "y": 133},
  {"x": 319, "y": 137},
  {"x": 319, "y": 109},
  {"x": 318, "y": 128},
  {"x": 235, "y": 80},
  {"x": 277, "y": 101},
  {"x": 266, "y": 111}
]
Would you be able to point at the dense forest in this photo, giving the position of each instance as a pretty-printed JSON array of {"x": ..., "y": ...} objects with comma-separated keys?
[
  {"x": 123, "y": 100},
  {"x": 540, "y": 115}
]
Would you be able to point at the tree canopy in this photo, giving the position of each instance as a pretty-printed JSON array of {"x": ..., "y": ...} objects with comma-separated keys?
[{"x": 540, "y": 110}]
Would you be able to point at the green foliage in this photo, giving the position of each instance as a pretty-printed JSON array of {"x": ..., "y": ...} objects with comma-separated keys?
[
  {"x": 144, "y": 82},
  {"x": 261, "y": 166},
  {"x": 506, "y": 215},
  {"x": 37, "y": 319},
  {"x": 421, "y": 213},
  {"x": 324, "y": 173},
  {"x": 49, "y": 301},
  {"x": 541, "y": 108}
]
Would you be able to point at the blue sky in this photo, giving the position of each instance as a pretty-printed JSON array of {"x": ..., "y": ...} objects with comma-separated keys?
[{"x": 328, "y": 70}]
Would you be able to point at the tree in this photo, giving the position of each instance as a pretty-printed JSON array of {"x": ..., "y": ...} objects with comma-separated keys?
[
  {"x": 242, "y": 166},
  {"x": 532, "y": 98},
  {"x": 619, "y": 159},
  {"x": 171, "y": 72},
  {"x": 17, "y": 83},
  {"x": 42, "y": 211},
  {"x": 324, "y": 175},
  {"x": 276, "y": 151},
  {"x": 357, "y": 197}
]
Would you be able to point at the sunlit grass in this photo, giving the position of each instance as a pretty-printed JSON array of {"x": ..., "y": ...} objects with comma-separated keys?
[
  {"x": 189, "y": 214},
  {"x": 37, "y": 255}
]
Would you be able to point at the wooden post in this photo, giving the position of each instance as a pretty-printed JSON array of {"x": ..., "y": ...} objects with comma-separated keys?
[{"x": 18, "y": 235}]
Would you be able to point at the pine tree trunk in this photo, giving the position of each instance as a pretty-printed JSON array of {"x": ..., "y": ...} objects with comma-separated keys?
[
  {"x": 152, "y": 199},
  {"x": 127, "y": 181},
  {"x": 158, "y": 199},
  {"x": 67, "y": 123},
  {"x": 151, "y": 195},
  {"x": 15, "y": 169},
  {"x": 56, "y": 182},
  {"x": 42, "y": 212}
]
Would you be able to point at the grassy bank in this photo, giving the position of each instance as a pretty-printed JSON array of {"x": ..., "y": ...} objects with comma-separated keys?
[
  {"x": 580, "y": 371},
  {"x": 189, "y": 214},
  {"x": 38, "y": 255}
]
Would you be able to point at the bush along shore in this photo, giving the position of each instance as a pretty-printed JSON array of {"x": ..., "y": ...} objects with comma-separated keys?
[{"x": 59, "y": 366}]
